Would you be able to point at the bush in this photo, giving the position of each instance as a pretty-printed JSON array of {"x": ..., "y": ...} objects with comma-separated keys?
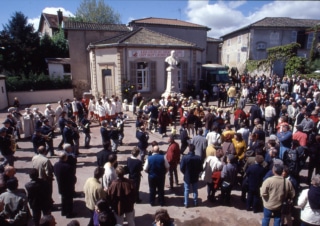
[{"x": 37, "y": 82}]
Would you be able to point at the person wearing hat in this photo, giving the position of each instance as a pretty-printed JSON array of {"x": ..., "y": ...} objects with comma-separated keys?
[
  {"x": 68, "y": 134},
  {"x": 50, "y": 114},
  {"x": 28, "y": 122},
  {"x": 6, "y": 148}
]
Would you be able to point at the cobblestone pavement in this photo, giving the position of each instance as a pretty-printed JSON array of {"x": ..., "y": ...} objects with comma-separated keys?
[{"x": 205, "y": 213}]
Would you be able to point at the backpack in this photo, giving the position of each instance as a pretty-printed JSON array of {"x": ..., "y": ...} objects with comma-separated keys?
[{"x": 294, "y": 159}]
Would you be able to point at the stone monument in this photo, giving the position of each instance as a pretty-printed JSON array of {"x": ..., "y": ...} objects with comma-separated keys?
[{"x": 172, "y": 75}]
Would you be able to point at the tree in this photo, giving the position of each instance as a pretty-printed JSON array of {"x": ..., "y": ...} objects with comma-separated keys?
[
  {"x": 19, "y": 43},
  {"x": 96, "y": 12}
]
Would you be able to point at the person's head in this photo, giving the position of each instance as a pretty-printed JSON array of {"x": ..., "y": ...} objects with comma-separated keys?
[
  {"x": 277, "y": 169},
  {"x": 34, "y": 174},
  {"x": 231, "y": 158},
  {"x": 135, "y": 151},
  {"x": 192, "y": 148},
  {"x": 48, "y": 220},
  {"x": 106, "y": 145},
  {"x": 155, "y": 149},
  {"x": 120, "y": 171},
  {"x": 315, "y": 181},
  {"x": 285, "y": 128},
  {"x": 238, "y": 136},
  {"x": 42, "y": 150},
  {"x": 104, "y": 219},
  {"x": 259, "y": 159},
  {"x": 256, "y": 121},
  {"x": 9, "y": 171},
  {"x": 12, "y": 184},
  {"x": 170, "y": 139},
  {"x": 73, "y": 223},
  {"x": 162, "y": 218},
  {"x": 219, "y": 151},
  {"x": 285, "y": 172},
  {"x": 112, "y": 158},
  {"x": 67, "y": 148},
  {"x": 98, "y": 172},
  {"x": 273, "y": 152}
]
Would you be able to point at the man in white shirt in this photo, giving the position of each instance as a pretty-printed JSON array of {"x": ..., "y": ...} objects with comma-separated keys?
[
  {"x": 269, "y": 115},
  {"x": 213, "y": 137}
]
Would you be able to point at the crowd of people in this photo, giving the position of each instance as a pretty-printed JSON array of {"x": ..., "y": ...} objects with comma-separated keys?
[{"x": 262, "y": 133}]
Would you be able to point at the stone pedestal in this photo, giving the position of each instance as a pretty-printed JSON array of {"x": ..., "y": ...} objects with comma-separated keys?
[{"x": 172, "y": 82}]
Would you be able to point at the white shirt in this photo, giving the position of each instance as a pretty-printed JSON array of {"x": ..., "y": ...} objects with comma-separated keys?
[
  {"x": 213, "y": 137},
  {"x": 101, "y": 111},
  {"x": 269, "y": 112},
  {"x": 308, "y": 215}
]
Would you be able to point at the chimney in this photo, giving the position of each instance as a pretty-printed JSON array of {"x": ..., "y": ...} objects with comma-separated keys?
[{"x": 60, "y": 17}]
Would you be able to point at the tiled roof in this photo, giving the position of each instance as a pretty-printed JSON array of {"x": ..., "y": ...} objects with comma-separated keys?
[
  {"x": 165, "y": 21},
  {"x": 143, "y": 36},
  {"x": 53, "y": 19},
  {"x": 280, "y": 22},
  {"x": 285, "y": 22},
  {"x": 73, "y": 25}
]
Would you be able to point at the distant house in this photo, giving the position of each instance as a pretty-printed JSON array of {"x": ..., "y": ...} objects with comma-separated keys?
[
  {"x": 50, "y": 24},
  {"x": 59, "y": 67},
  {"x": 252, "y": 41}
]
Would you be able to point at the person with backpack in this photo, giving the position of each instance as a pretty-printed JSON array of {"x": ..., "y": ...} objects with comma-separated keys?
[{"x": 294, "y": 158}]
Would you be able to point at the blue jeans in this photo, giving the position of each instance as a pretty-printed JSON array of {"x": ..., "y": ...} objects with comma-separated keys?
[
  {"x": 194, "y": 190},
  {"x": 267, "y": 214}
]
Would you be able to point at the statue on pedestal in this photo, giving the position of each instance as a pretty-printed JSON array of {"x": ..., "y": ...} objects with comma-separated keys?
[{"x": 172, "y": 75}]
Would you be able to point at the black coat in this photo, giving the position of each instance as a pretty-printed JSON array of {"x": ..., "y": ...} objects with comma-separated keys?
[
  {"x": 134, "y": 168},
  {"x": 102, "y": 157},
  {"x": 65, "y": 177},
  {"x": 68, "y": 135},
  {"x": 255, "y": 174},
  {"x": 38, "y": 196}
]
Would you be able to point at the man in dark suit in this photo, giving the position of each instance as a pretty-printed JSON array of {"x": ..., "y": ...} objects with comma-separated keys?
[
  {"x": 255, "y": 174},
  {"x": 65, "y": 180},
  {"x": 68, "y": 133},
  {"x": 143, "y": 138},
  {"x": 105, "y": 133},
  {"x": 103, "y": 155},
  {"x": 38, "y": 197},
  {"x": 61, "y": 123},
  {"x": 37, "y": 140},
  {"x": 48, "y": 130},
  {"x": 184, "y": 137},
  {"x": 6, "y": 148},
  {"x": 191, "y": 167},
  {"x": 156, "y": 166},
  {"x": 134, "y": 166}
]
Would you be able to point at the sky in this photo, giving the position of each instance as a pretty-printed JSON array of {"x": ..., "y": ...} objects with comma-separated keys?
[{"x": 221, "y": 16}]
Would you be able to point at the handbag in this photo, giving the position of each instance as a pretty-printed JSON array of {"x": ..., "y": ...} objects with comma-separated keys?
[{"x": 286, "y": 203}]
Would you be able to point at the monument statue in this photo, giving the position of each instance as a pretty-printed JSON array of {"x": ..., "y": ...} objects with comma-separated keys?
[
  {"x": 172, "y": 60},
  {"x": 172, "y": 75}
]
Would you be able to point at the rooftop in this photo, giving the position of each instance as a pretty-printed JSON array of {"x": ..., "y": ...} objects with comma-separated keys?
[{"x": 74, "y": 25}]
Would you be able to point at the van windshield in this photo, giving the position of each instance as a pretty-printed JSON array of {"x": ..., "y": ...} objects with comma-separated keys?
[{"x": 217, "y": 76}]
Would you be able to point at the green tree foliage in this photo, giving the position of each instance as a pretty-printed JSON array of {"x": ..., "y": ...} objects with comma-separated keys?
[
  {"x": 296, "y": 65},
  {"x": 19, "y": 46},
  {"x": 96, "y": 12}
]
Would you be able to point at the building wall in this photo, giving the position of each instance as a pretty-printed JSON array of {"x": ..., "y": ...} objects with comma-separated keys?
[
  {"x": 121, "y": 60},
  {"x": 40, "y": 97},
  {"x": 79, "y": 57},
  {"x": 235, "y": 50},
  {"x": 212, "y": 53}
]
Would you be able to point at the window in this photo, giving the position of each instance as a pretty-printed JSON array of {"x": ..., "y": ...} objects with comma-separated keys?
[
  {"x": 239, "y": 39},
  {"x": 261, "y": 46},
  {"x": 142, "y": 79},
  {"x": 227, "y": 58},
  {"x": 67, "y": 68},
  {"x": 238, "y": 58},
  {"x": 229, "y": 42},
  {"x": 294, "y": 35},
  {"x": 310, "y": 38}
]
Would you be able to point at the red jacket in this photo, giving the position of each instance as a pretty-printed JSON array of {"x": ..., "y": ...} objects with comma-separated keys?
[{"x": 173, "y": 154}]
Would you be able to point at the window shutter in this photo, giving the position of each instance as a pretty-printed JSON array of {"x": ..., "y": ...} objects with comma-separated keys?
[
  {"x": 133, "y": 74},
  {"x": 152, "y": 75},
  {"x": 184, "y": 74}
]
